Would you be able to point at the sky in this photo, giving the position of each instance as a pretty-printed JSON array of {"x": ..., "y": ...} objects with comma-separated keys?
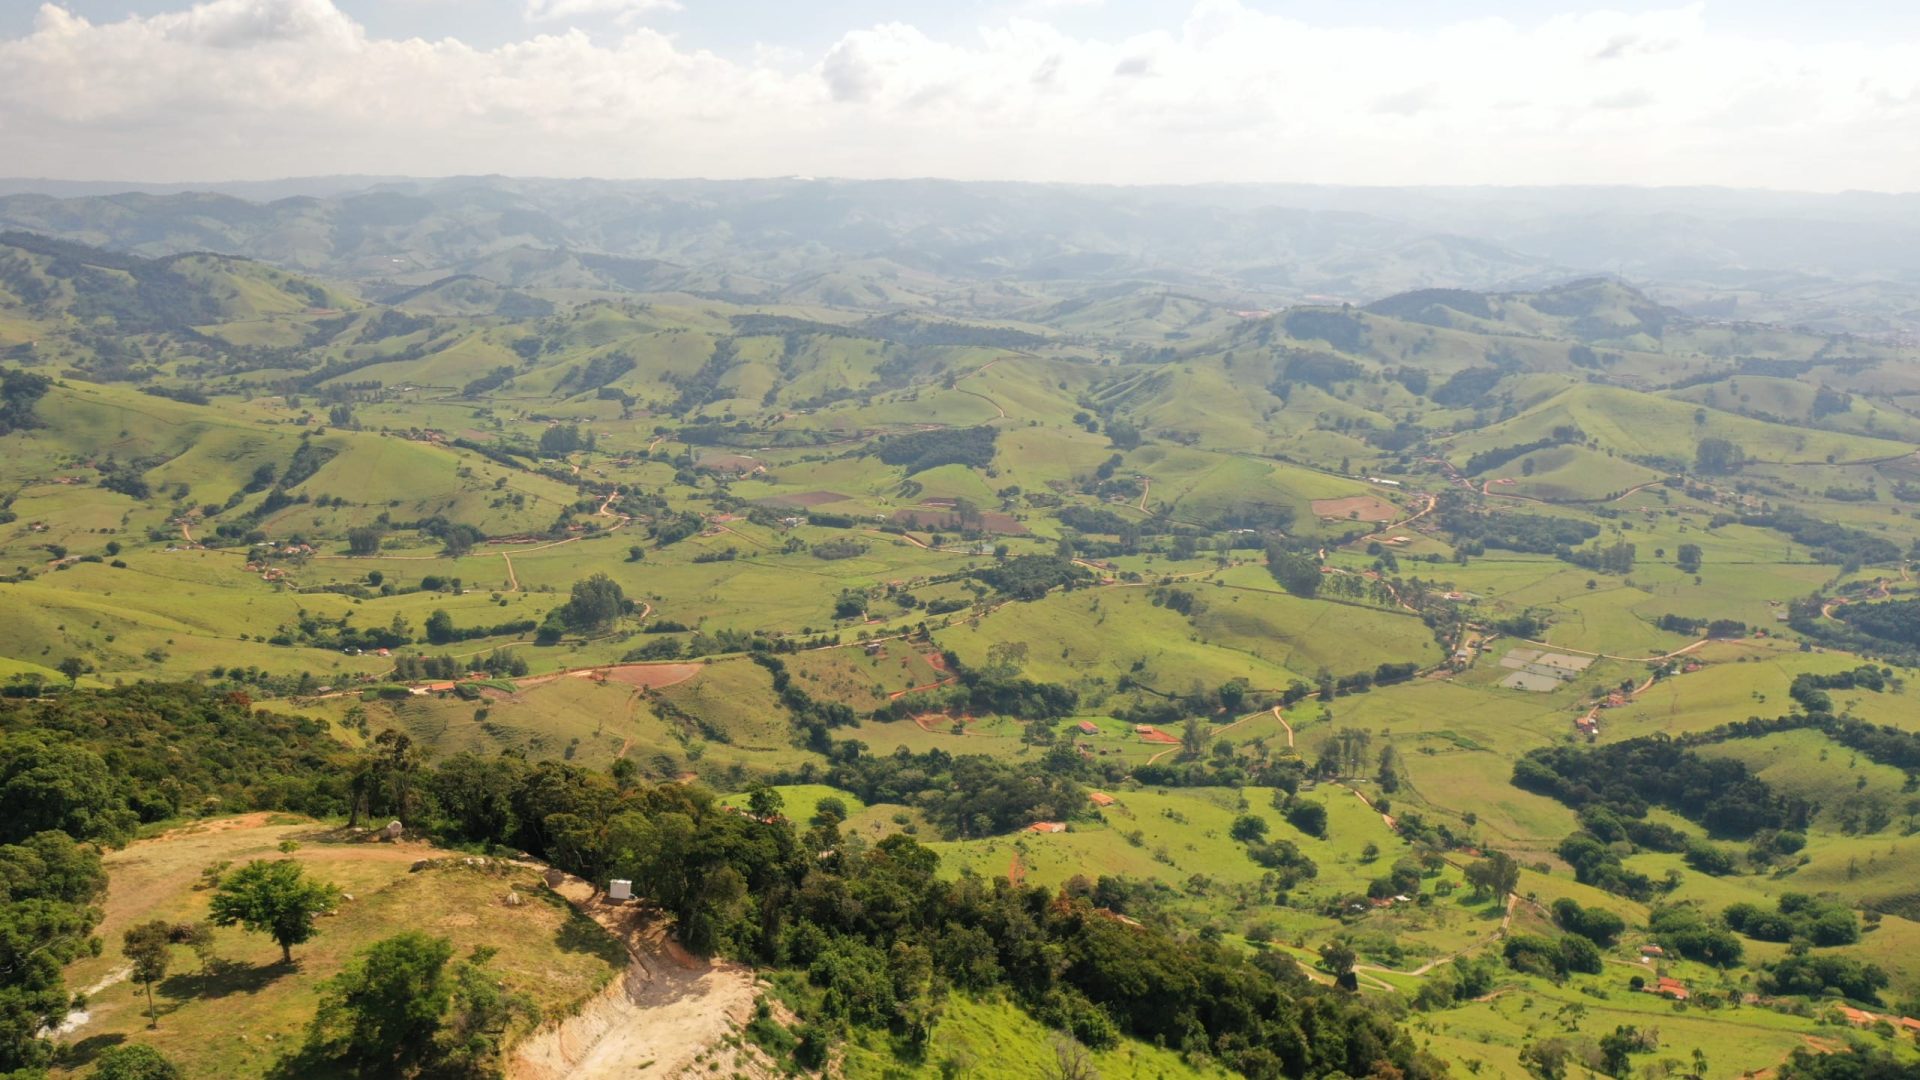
[{"x": 1779, "y": 94}]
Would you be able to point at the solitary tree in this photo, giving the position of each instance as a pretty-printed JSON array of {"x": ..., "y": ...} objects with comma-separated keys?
[
  {"x": 595, "y": 604},
  {"x": 764, "y": 802},
  {"x": 1689, "y": 558},
  {"x": 273, "y": 898},
  {"x": 150, "y": 947},
  {"x": 364, "y": 540},
  {"x": 1498, "y": 874},
  {"x": 1071, "y": 1061},
  {"x": 1249, "y": 829},
  {"x": 1718, "y": 456},
  {"x": 382, "y": 1011},
  {"x": 1193, "y": 739},
  {"x": 1337, "y": 957}
]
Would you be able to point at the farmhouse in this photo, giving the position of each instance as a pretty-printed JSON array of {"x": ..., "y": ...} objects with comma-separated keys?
[
  {"x": 1670, "y": 988},
  {"x": 1047, "y": 827},
  {"x": 1101, "y": 798},
  {"x": 1088, "y": 727}
]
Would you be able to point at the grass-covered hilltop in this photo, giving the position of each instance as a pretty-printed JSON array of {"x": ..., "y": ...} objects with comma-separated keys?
[{"x": 973, "y": 674}]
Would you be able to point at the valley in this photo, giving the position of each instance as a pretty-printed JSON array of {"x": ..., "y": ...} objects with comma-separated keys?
[{"x": 1344, "y": 660}]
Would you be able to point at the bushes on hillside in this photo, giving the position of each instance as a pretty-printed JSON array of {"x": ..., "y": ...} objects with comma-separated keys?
[
  {"x": 1533, "y": 533},
  {"x": 20, "y": 391},
  {"x": 923, "y": 450},
  {"x": 1815, "y": 976},
  {"x": 1598, "y": 925},
  {"x": 1796, "y": 916},
  {"x": 1030, "y": 577},
  {"x": 1628, "y": 777},
  {"x": 1686, "y": 931}
]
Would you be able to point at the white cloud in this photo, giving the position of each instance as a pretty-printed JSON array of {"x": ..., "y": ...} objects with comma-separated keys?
[
  {"x": 259, "y": 88},
  {"x": 549, "y": 10}
]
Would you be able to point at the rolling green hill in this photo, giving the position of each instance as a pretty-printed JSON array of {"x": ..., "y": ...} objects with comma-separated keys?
[{"x": 1326, "y": 604}]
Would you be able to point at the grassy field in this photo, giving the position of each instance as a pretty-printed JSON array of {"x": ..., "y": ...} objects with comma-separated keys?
[
  {"x": 237, "y": 1018},
  {"x": 994, "y": 1039}
]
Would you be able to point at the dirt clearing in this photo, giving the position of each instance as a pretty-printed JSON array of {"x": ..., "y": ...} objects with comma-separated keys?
[
  {"x": 646, "y": 676},
  {"x": 1355, "y": 508},
  {"x": 948, "y": 521},
  {"x": 667, "y": 1012},
  {"x": 739, "y": 463}
]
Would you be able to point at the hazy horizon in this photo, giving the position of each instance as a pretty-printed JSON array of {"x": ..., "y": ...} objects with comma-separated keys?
[
  {"x": 1386, "y": 93},
  {"x": 20, "y": 183}
]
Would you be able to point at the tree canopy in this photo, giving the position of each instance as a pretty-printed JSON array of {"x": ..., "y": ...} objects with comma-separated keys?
[{"x": 274, "y": 898}]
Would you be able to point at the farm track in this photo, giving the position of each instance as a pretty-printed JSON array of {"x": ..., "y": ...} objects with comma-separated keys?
[
  {"x": 1486, "y": 488},
  {"x": 1230, "y": 727},
  {"x": 982, "y": 370},
  {"x": 988, "y": 400},
  {"x": 1684, "y": 650},
  {"x": 1881, "y": 591},
  {"x": 1635, "y": 490},
  {"x": 1391, "y": 527}
]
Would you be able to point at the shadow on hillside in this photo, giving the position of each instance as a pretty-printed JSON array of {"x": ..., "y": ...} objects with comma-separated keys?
[
  {"x": 580, "y": 934},
  {"x": 222, "y": 978},
  {"x": 87, "y": 1049}
]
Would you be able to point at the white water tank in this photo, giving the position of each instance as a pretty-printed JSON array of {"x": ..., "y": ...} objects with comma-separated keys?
[{"x": 620, "y": 889}]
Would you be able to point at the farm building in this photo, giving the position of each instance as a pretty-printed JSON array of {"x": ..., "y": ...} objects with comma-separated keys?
[
  {"x": 1670, "y": 988},
  {"x": 1101, "y": 798},
  {"x": 1088, "y": 727},
  {"x": 1047, "y": 827}
]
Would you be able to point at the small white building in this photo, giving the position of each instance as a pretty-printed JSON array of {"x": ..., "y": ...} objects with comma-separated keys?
[{"x": 620, "y": 889}]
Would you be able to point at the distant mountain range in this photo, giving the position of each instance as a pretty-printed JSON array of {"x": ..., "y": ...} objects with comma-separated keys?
[{"x": 1848, "y": 262}]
